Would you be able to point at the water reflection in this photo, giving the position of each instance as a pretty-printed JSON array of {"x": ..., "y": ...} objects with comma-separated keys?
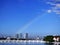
[
  {"x": 49, "y": 44},
  {"x": 39, "y": 43},
  {"x": 26, "y": 43},
  {"x": 56, "y": 44},
  {"x": 52, "y": 44}
]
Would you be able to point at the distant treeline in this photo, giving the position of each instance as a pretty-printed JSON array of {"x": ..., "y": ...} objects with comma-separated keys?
[{"x": 15, "y": 39}]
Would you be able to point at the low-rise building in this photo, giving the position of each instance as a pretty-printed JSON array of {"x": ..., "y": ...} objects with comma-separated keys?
[{"x": 56, "y": 38}]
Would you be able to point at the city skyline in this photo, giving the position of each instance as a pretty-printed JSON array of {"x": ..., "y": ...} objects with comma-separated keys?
[{"x": 29, "y": 16}]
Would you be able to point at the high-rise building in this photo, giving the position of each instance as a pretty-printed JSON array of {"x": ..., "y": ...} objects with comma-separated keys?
[
  {"x": 17, "y": 36},
  {"x": 26, "y": 36},
  {"x": 20, "y": 36}
]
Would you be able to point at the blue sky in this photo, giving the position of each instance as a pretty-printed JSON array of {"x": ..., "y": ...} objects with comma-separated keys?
[{"x": 31, "y": 16}]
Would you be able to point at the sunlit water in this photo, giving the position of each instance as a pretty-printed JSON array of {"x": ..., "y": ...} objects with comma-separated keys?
[{"x": 22, "y": 43}]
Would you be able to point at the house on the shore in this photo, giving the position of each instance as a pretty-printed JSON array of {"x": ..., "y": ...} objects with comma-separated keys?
[{"x": 56, "y": 38}]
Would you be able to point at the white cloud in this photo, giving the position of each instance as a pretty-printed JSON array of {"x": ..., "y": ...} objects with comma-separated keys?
[
  {"x": 58, "y": 12},
  {"x": 57, "y": 5},
  {"x": 50, "y": 3},
  {"x": 49, "y": 11},
  {"x": 54, "y": 8}
]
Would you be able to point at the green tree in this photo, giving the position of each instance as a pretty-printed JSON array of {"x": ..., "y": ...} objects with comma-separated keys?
[{"x": 49, "y": 38}]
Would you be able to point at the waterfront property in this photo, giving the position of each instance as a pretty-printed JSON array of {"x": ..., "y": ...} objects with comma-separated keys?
[
  {"x": 51, "y": 38},
  {"x": 56, "y": 38}
]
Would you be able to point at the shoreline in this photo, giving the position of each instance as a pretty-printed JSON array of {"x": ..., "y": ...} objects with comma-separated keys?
[
  {"x": 28, "y": 41},
  {"x": 4, "y": 41}
]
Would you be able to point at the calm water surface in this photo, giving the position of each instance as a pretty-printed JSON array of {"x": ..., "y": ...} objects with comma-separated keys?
[{"x": 28, "y": 43}]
